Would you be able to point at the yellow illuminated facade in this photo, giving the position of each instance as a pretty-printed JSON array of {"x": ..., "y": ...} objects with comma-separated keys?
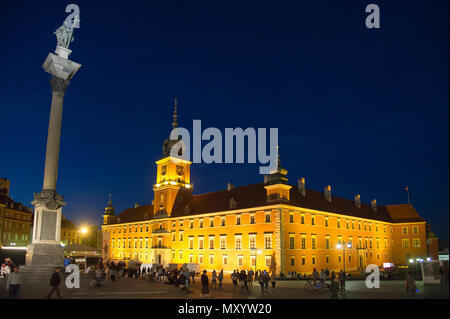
[{"x": 270, "y": 225}]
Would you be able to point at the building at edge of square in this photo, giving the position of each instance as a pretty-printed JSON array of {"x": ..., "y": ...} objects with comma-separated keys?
[{"x": 270, "y": 225}]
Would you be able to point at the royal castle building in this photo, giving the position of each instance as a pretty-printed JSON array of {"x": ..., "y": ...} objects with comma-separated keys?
[{"x": 270, "y": 225}]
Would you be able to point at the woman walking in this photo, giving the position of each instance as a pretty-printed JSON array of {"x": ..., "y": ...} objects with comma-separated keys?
[
  {"x": 214, "y": 279},
  {"x": 410, "y": 285},
  {"x": 205, "y": 285}
]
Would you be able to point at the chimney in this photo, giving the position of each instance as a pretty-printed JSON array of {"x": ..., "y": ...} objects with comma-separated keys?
[
  {"x": 327, "y": 192},
  {"x": 301, "y": 186},
  {"x": 229, "y": 186},
  {"x": 136, "y": 205},
  {"x": 358, "y": 201},
  {"x": 374, "y": 204}
]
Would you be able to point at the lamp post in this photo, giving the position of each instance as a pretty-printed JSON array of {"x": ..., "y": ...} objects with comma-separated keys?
[
  {"x": 84, "y": 231},
  {"x": 344, "y": 244}
]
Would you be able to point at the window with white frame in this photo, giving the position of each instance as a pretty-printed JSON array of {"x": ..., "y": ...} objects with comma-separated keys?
[
  {"x": 223, "y": 242},
  {"x": 268, "y": 241},
  {"x": 252, "y": 241},
  {"x": 191, "y": 242},
  {"x": 238, "y": 241},
  {"x": 225, "y": 259},
  {"x": 211, "y": 259},
  {"x": 200, "y": 259},
  {"x": 240, "y": 260},
  {"x": 200, "y": 242},
  {"x": 211, "y": 242}
]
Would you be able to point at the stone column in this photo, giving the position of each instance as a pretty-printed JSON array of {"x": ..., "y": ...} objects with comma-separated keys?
[
  {"x": 59, "y": 87},
  {"x": 45, "y": 248}
]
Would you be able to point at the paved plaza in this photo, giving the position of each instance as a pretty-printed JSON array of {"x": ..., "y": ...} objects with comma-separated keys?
[{"x": 126, "y": 288}]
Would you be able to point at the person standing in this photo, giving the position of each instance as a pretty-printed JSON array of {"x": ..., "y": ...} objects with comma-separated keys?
[
  {"x": 234, "y": 278},
  {"x": 410, "y": 284},
  {"x": 272, "y": 279},
  {"x": 266, "y": 279},
  {"x": 13, "y": 282},
  {"x": 250, "y": 277},
  {"x": 205, "y": 284},
  {"x": 55, "y": 281},
  {"x": 214, "y": 279},
  {"x": 441, "y": 275},
  {"x": 334, "y": 287},
  {"x": 259, "y": 278},
  {"x": 220, "y": 277}
]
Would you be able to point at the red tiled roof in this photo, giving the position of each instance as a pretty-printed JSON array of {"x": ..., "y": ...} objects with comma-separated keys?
[
  {"x": 140, "y": 213},
  {"x": 403, "y": 213},
  {"x": 251, "y": 196}
]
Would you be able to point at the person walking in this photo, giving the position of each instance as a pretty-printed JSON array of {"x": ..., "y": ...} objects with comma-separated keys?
[
  {"x": 442, "y": 275},
  {"x": 243, "y": 278},
  {"x": 98, "y": 277},
  {"x": 341, "y": 279},
  {"x": 272, "y": 279},
  {"x": 214, "y": 279},
  {"x": 13, "y": 282},
  {"x": 250, "y": 278},
  {"x": 410, "y": 284},
  {"x": 220, "y": 277},
  {"x": 315, "y": 276},
  {"x": 205, "y": 284},
  {"x": 259, "y": 278},
  {"x": 55, "y": 281}
]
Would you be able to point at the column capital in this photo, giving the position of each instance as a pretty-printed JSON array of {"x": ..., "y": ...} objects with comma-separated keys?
[{"x": 59, "y": 85}]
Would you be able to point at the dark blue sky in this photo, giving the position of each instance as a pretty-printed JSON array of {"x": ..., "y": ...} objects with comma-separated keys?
[{"x": 363, "y": 110}]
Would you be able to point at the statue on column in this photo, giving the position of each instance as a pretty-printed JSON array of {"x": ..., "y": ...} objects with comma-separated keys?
[{"x": 64, "y": 34}]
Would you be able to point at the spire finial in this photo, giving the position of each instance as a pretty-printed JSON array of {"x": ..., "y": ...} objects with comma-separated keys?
[
  {"x": 110, "y": 200},
  {"x": 175, "y": 114}
]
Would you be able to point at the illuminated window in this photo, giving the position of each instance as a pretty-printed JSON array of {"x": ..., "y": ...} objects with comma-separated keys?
[
  {"x": 223, "y": 242},
  {"x": 191, "y": 242},
  {"x": 327, "y": 242},
  {"x": 268, "y": 260},
  {"x": 211, "y": 259},
  {"x": 268, "y": 217},
  {"x": 313, "y": 242},
  {"x": 253, "y": 261},
  {"x": 200, "y": 242},
  {"x": 252, "y": 241},
  {"x": 268, "y": 241},
  {"x": 180, "y": 236},
  {"x": 405, "y": 243},
  {"x": 225, "y": 260},
  {"x": 378, "y": 242},
  {"x": 146, "y": 242},
  {"x": 140, "y": 242},
  {"x": 291, "y": 241},
  {"x": 211, "y": 242},
  {"x": 238, "y": 241},
  {"x": 405, "y": 230},
  {"x": 303, "y": 241},
  {"x": 240, "y": 260},
  {"x": 415, "y": 230},
  {"x": 416, "y": 243},
  {"x": 200, "y": 259},
  {"x": 339, "y": 241}
]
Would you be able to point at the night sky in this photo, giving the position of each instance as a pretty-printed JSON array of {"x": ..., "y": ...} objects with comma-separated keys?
[{"x": 363, "y": 110}]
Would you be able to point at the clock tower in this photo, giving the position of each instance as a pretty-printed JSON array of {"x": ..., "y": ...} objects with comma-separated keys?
[{"x": 172, "y": 177}]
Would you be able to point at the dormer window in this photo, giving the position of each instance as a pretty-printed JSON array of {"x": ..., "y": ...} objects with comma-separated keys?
[{"x": 232, "y": 203}]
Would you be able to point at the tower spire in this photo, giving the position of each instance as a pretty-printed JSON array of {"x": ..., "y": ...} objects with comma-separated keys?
[
  {"x": 175, "y": 114},
  {"x": 110, "y": 200}
]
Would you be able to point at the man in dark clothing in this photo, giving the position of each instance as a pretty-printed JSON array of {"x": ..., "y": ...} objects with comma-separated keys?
[{"x": 55, "y": 281}]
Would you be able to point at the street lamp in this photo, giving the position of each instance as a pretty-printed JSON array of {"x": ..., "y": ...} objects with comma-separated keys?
[{"x": 344, "y": 244}]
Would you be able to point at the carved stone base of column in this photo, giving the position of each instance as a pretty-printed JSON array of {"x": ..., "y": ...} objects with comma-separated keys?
[{"x": 45, "y": 255}]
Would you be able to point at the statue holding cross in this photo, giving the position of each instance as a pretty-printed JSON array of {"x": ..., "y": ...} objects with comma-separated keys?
[{"x": 64, "y": 34}]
